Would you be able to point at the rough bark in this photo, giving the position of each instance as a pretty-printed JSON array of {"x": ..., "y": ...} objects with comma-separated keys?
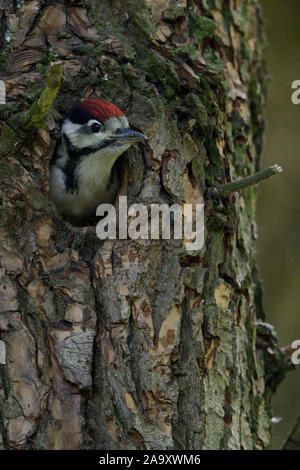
[{"x": 134, "y": 344}]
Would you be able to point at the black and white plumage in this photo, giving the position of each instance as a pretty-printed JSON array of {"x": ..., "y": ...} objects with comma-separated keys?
[{"x": 93, "y": 135}]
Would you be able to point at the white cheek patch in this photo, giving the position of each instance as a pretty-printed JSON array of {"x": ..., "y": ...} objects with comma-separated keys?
[
  {"x": 69, "y": 128},
  {"x": 80, "y": 139}
]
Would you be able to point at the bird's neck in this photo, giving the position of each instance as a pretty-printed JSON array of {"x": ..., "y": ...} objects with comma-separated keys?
[
  {"x": 90, "y": 163},
  {"x": 95, "y": 168}
]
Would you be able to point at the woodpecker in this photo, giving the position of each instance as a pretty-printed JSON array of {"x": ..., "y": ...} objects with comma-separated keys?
[{"x": 82, "y": 175}]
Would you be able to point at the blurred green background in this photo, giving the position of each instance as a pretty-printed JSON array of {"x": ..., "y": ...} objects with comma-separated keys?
[{"x": 278, "y": 206}]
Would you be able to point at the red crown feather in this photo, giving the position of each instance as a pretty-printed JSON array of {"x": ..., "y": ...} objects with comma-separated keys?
[{"x": 101, "y": 109}]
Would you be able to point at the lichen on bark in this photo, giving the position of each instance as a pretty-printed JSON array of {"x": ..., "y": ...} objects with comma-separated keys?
[{"x": 134, "y": 344}]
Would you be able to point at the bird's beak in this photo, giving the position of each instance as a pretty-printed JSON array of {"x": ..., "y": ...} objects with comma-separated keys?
[{"x": 128, "y": 136}]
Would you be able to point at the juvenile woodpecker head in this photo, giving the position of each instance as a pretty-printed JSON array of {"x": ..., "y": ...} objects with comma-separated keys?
[
  {"x": 93, "y": 135},
  {"x": 98, "y": 124}
]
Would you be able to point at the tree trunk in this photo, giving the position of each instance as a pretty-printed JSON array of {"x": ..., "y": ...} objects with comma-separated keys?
[{"x": 129, "y": 344}]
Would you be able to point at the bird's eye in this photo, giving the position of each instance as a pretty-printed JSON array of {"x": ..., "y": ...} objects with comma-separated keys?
[{"x": 96, "y": 127}]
